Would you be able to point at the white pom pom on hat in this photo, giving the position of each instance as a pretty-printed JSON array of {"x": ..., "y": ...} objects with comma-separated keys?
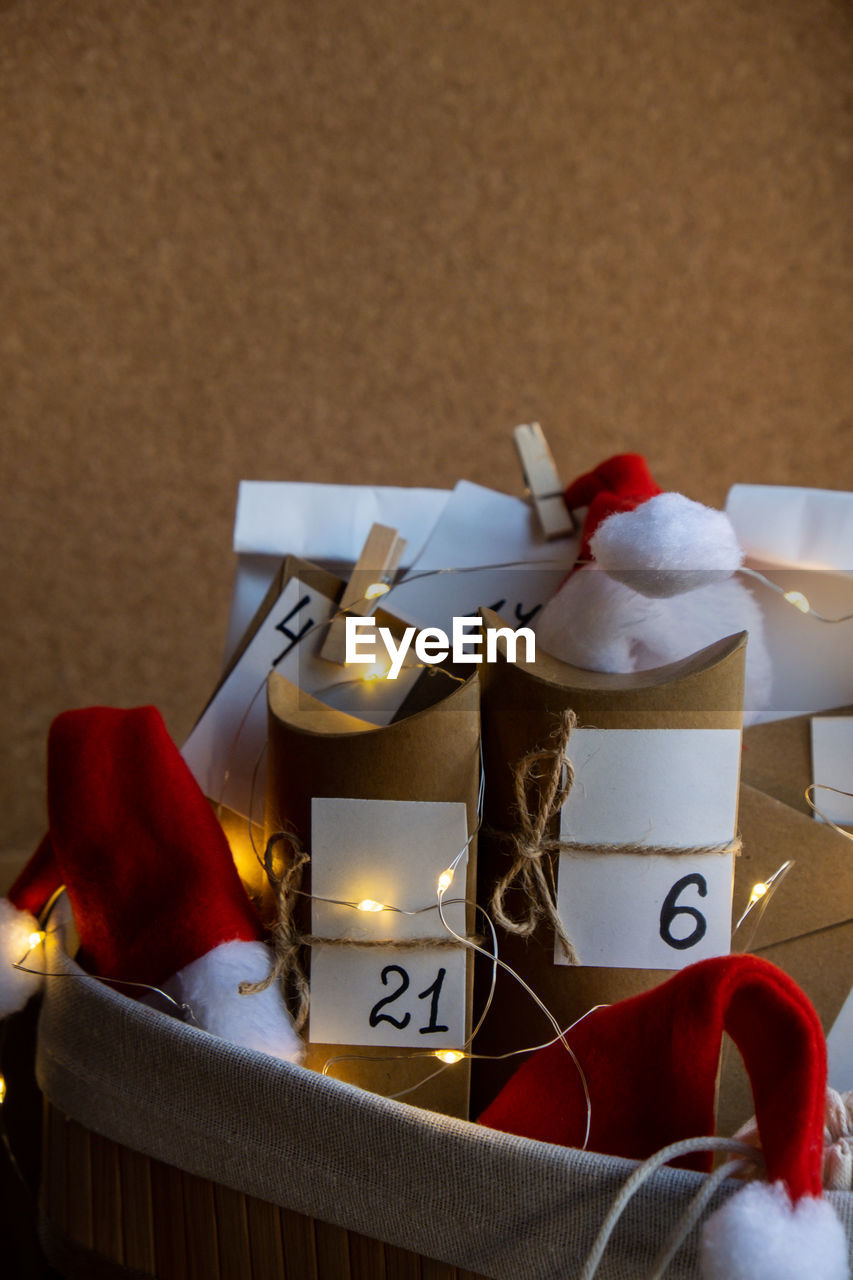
[
  {"x": 759, "y": 1234},
  {"x": 667, "y": 545},
  {"x": 657, "y": 543},
  {"x": 655, "y": 581},
  {"x": 18, "y": 945}
]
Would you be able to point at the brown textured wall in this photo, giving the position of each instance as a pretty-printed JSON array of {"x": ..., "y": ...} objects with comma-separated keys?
[{"x": 348, "y": 242}]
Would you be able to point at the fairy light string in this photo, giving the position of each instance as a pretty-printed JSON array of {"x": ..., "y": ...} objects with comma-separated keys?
[
  {"x": 797, "y": 599},
  {"x": 760, "y": 896},
  {"x": 286, "y": 884},
  {"x": 557, "y": 788},
  {"x": 373, "y": 592},
  {"x": 812, "y": 803}
]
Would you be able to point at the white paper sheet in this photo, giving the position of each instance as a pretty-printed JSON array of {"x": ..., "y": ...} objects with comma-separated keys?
[
  {"x": 645, "y": 912},
  {"x": 839, "y": 1046},
  {"x": 390, "y": 852},
  {"x": 225, "y": 751},
  {"x": 330, "y": 521},
  {"x": 326, "y": 523},
  {"x": 672, "y": 788},
  {"x": 802, "y": 539},
  {"x": 786, "y": 525},
  {"x": 832, "y": 766},
  {"x": 477, "y": 528}
]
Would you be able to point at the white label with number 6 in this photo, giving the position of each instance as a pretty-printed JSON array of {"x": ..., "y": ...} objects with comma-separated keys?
[
  {"x": 670, "y": 788},
  {"x": 646, "y": 911}
]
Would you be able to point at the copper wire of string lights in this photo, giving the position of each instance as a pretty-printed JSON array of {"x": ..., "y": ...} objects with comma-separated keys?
[
  {"x": 37, "y": 939},
  {"x": 794, "y": 598},
  {"x": 822, "y": 786},
  {"x": 411, "y": 665},
  {"x": 761, "y": 894},
  {"x": 444, "y": 883},
  {"x": 450, "y": 1057},
  {"x": 755, "y": 909}
]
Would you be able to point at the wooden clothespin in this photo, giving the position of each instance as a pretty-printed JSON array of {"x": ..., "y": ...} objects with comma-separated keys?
[
  {"x": 543, "y": 481},
  {"x": 374, "y": 569}
]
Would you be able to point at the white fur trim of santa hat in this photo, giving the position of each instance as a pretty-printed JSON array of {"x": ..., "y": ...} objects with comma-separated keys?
[
  {"x": 759, "y": 1235},
  {"x": 17, "y": 933},
  {"x": 667, "y": 545},
  {"x": 259, "y": 1020}
]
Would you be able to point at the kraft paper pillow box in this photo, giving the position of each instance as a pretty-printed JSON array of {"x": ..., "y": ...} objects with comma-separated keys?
[{"x": 170, "y": 1153}]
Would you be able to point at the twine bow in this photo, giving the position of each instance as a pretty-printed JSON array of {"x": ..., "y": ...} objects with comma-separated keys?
[
  {"x": 532, "y": 869},
  {"x": 286, "y": 939}
]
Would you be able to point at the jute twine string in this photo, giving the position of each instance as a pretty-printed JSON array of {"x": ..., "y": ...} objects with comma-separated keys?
[
  {"x": 532, "y": 851},
  {"x": 408, "y": 944},
  {"x": 532, "y": 867},
  {"x": 286, "y": 968}
]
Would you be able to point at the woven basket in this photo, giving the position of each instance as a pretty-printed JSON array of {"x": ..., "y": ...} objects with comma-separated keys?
[
  {"x": 108, "y": 1211},
  {"x": 170, "y": 1153}
]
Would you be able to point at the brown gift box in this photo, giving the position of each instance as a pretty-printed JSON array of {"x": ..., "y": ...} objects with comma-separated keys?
[
  {"x": 522, "y": 703},
  {"x": 429, "y": 752},
  {"x": 245, "y": 838}
]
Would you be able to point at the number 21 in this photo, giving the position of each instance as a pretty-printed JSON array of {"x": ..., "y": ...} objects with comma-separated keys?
[{"x": 432, "y": 992}]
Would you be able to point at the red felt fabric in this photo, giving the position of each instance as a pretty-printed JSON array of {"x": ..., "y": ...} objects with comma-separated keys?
[
  {"x": 651, "y": 1064},
  {"x": 38, "y": 881},
  {"x": 149, "y": 873},
  {"x": 619, "y": 484}
]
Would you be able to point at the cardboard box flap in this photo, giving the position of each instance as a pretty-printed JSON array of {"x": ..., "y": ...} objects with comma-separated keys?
[
  {"x": 815, "y": 893},
  {"x": 308, "y": 714}
]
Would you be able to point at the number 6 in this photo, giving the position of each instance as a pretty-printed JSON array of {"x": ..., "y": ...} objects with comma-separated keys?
[{"x": 669, "y": 911}]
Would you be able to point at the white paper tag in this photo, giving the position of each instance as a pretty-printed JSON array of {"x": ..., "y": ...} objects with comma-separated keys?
[
  {"x": 638, "y": 911},
  {"x": 225, "y": 749},
  {"x": 832, "y": 766},
  {"x": 390, "y": 852},
  {"x": 480, "y": 529},
  {"x": 671, "y": 788},
  {"x": 839, "y": 1048}
]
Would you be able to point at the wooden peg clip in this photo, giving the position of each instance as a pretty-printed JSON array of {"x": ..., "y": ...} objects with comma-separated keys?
[
  {"x": 543, "y": 481},
  {"x": 375, "y": 567}
]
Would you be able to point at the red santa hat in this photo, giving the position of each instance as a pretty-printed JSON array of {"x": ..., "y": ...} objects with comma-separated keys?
[
  {"x": 152, "y": 885},
  {"x": 658, "y": 543},
  {"x": 619, "y": 484},
  {"x": 650, "y": 1065}
]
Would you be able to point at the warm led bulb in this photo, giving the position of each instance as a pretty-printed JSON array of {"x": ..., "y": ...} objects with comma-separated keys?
[
  {"x": 449, "y": 1056},
  {"x": 378, "y": 671},
  {"x": 758, "y": 891},
  {"x": 445, "y": 880},
  {"x": 34, "y": 939},
  {"x": 2, "y": 1091},
  {"x": 376, "y": 589},
  {"x": 798, "y": 600},
  {"x": 368, "y": 904}
]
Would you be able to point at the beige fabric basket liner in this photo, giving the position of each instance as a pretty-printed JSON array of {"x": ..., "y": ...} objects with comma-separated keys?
[{"x": 502, "y": 1206}]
